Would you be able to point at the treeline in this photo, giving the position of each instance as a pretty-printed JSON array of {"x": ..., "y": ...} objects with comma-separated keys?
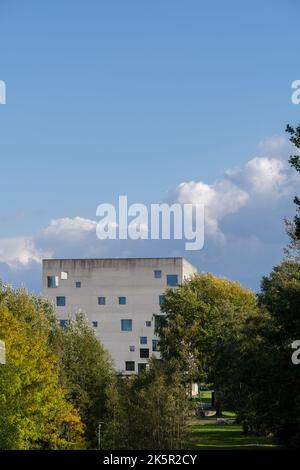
[
  {"x": 58, "y": 385},
  {"x": 219, "y": 333}
]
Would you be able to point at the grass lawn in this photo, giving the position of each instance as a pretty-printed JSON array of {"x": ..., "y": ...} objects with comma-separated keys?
[
  {"x": 211, "y": 436},
  {"x": 222, "y": 437}
]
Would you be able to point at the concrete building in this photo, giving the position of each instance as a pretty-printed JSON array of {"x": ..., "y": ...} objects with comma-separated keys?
[{"x": 120, "y": 297}]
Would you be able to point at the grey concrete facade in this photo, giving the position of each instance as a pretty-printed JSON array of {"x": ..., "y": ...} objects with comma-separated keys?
[{"x": 120, "y": 298}]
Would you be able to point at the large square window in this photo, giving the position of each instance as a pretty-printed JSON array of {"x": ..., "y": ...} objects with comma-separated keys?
[
  {"x": 122, "y": 300},
  {"x": 130, "y": 366},
  {"x": 144, "y": 353},
  {"x": 61, "y": 301},
  {"x": 126, "y": 325},
  {"x": 172, "y": 280},
  {"x": 52, "y": 282}
]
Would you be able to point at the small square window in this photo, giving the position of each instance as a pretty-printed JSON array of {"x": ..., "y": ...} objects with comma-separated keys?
[
  {"x": 161, "y": 299},
  {"x": 52, "y": 282},
  {"x": 63, "y": 323},
  {"x": 148, "y": 323},
  {"x": 126, "y": 325},
  {"x": 155, "y": 345},
  {"x": 172, "y": 280},
  {"x": 130, "y": 366},
  {"x": 144, "y": 353},
  {"x": 122, "y": 300},
  {"x": 101, "y": 301},
  {"x": 157, "y": 274},
  {"x": 60, "y": 301},
  {"x": 132, "y": 348},
  {"x": 64, "y": 275},
  {"x": 95, "y": 324},
  {"x": 143, "y": 339},
  {"x": 78, "y": 284}
]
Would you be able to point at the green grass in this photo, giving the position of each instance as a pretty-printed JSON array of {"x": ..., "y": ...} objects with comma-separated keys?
[
  {"x": 205, "y": 395},
  {"x": 221, "y": 437}
]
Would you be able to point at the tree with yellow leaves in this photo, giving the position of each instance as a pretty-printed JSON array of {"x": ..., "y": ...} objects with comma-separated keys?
[{"x": 34, "y": 412}]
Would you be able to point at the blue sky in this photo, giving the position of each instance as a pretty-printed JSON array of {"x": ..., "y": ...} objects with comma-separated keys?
[{"x": 129, "y": 97}]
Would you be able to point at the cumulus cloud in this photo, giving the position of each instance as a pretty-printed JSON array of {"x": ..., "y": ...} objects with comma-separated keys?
[
  {"x": 219, "y": 199},
  {"x": 244, "y": 232},
  {"x": 68, "y": 228},
  {"x": 20, "y": 251},
  {"x": 251, "y": 193}
]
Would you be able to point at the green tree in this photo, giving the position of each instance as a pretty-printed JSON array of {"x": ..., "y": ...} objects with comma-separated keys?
[
  {"x": 293, "y": 227},
  {"x": 152, "y": 410},
  {"x": 280, "y": 295},
  {"x": 201, "y": 315},
  {"x": 258, "y": 378},
  {"x": 86, "y": 373},
  {"x": 34, "y": 412}
]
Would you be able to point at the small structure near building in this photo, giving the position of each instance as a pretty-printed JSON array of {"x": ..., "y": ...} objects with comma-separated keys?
[{"x": 2, "y": 352}]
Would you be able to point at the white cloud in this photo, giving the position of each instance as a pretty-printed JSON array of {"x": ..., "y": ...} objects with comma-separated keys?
[
  {"x": 20, "y": 251},
  {"x": 244, "y": 231},
  {"x": 262, "y": 175},
  {"x": 68, "y": 228},
  {"x": 252, "y": 193},
  {"x": 219, "y": 199}
]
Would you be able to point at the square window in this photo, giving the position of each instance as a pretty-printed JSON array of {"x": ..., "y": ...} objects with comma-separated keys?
[
  {"x": 130, "y": 366},
  {"x": 161, "y": 299},
  {"x": 126, "y": 325},
  {"x": 141, "y": 367},
  {"x": 155, "y": 345},
  {"x": 132, "y": 348},
  {"x": 63, "y": 323},
  {"x": 122, "y": 300},
  {"x": 144, "y": 353},
  {"x": 64, "y": 275},
  {"x": 148, "y": 323},
  {"x": 95, "y": 324},
  {"x": 172, "y": 280},
  {"x": 143, "y": 339},
  {"x": 78, "y": 284},
  {"x": 157, "y": 274},
  {"x": 52, "y": 282},
  {"x": 61, "y": 301},
  {"x": 101, "y": 300}
]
